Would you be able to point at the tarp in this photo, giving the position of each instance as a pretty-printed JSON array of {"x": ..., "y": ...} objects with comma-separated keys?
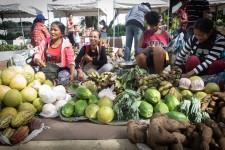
[
  {"x": 122, "y": 6},
  {"x": 17, "y": 10},
  {"x": 77, "y": 8}
]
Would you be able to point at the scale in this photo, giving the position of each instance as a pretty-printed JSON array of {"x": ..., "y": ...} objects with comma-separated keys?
[{"x": 126, "y": 65}]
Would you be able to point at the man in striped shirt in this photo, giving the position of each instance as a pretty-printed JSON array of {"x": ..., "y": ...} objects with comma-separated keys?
[
  {"x": 204, "y": 50},
  {"x": 195, "y": 10}
]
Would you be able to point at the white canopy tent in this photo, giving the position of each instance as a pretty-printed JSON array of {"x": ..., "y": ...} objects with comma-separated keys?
[
  {"x": 77, "y": 8},
  {"x": 17, "y": 10},
  {"x": 122, "y": 7}
]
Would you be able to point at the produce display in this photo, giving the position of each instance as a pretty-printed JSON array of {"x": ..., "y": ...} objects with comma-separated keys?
[{"x": 171, "y": 102}]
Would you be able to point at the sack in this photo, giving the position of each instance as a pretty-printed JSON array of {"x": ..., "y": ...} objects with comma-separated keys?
[
  {"x": 89, "y": 68},
  {"x": 174, "y": 47}
]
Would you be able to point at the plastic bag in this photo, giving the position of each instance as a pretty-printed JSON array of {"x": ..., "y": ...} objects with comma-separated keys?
[
  {"x": 107, "y": 92},
  {"x": 89, "y": 68},
  {"x": 174, "y": 47}
]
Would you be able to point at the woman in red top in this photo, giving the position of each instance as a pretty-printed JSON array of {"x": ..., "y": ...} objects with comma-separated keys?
[
  {"x": 38, "y": 30},
  {"x": 151, "y": 54},
  {"x": 59, "y": 50}
]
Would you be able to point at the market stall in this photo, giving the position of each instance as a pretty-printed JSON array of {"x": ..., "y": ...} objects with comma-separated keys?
[
  {"x": 122, "y": 7},
  {"x": 17, "y": 10}
]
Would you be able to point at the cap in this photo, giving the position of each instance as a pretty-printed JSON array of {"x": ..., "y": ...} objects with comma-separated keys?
[{"x": 40, "y": 17}]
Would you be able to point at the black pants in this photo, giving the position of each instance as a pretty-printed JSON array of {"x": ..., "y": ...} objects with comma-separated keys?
[{"x": 70, "y": 36}]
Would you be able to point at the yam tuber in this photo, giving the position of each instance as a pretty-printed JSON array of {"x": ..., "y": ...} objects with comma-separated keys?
[
  {"x": 157, "y": 114},
  {"x": 137, "y": 131},
  {"x": 222, "y": 114},
  {"x": 206, "y": 137},
  {"x": 157, "y": 135},
  {"x": 181, "y": 139},
  {"x": 168, "y": 124},
  {"x": 190, "y": 130},
  {"x": 221, "y": 143},
  {"x": 196, "y": 141},
  {"x": 213, "y": 145},
  {"x": 217, "y": 134}
]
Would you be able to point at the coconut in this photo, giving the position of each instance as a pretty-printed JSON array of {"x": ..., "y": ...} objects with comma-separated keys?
[
  {"x": 6, "y": 75},
  {"x": 29, "y": 94},
  {"x": 3, "y": 90},
  {"x": 18, "y": 82}
]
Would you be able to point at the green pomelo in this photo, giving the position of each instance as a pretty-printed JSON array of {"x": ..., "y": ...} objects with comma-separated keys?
[
  {"x": 83, "y": 93},
  {"x": 27, "y": 106},
  {"x": 29, "y": 94},
  {"x": 12, "y": 98},
  {"x": 40, "y": 76},
  {"x": 48, "y": 82},
  {"x": 200, "y": 95},
  {"x": 105, "y": 114},
  {"x": 28, "y": 73},
  {"x": 38, "y": 104},
  {"x": 3, "y": 90},
  {"x": 6, "y": 75},
  {"x": 211, "y": 88},
  {"x": 67, "y": 110},
  {"x": 195, "y": 78},
  {"x": 186, "y": 94},
  {"x": 105, "y": 101},
  {"x": 93, "y": 100},
  {"x": 91, "y": 111},
  {"x": 18, "y": 82}
]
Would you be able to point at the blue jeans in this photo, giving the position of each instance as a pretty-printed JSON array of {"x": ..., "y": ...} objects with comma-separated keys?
[{"x": 131, "y": 32}]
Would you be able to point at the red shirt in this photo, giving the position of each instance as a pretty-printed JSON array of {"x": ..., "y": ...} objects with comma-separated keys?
[
  {"x": 161, "y": 39},
  {"x": 39, "y": 33},
  {"x": 54, "y": 54}
]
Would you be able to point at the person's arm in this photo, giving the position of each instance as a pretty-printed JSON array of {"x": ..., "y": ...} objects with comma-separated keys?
[
  {"x": 39, "y": 54},
  {"x": 184, "y": 52},
  {"x": 79, "y": 57}
]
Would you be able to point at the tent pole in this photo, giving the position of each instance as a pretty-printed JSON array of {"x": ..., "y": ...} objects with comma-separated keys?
[
  {"x": 22, "y": 28},
  {"x": 98, "y": 15},
  {"x": 48, "y": 21},
  {"x": 113, "y": 24}
]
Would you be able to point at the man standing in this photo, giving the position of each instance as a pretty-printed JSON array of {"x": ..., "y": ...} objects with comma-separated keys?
[{"x": 134, "y": 26}]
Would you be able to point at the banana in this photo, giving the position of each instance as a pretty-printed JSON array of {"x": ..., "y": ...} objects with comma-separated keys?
[
  {"x": 165, "y": 87},
  {"x": 163, "y": 83},
  {"x": 165, "y": 92}
]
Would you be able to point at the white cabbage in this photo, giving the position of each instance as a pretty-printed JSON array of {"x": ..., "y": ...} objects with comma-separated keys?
[
  {"x": 60, "y": 92},
  {"x": 49, "y": 111},
  {"x": 47, "y": 94}
]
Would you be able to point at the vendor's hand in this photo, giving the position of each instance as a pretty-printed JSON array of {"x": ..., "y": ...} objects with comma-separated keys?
[
  {"x": 87, "y": 58},
  {"x": 189, "y": 74},
  {"x": 220, "y": 95},
  {"x": 71, "y": 79},
  {"x": 80, "y": 75},
  {"x": 40, "y": 63}
]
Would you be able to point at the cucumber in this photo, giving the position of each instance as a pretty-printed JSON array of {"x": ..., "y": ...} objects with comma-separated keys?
[{"x": 178, "y": 116}]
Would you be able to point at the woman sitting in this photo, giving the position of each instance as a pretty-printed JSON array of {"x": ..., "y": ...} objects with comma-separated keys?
[
  {"x": 203, "y": 51},
  {"x": 151, "y": 54},
  {"x": 58, "y": 50},
  {"x": 92, "y": 57}
]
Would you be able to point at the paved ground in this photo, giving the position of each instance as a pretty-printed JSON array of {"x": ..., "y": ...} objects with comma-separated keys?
[
  {"x": 113, "y": 144},
  {"x": 82, "y": 135}
]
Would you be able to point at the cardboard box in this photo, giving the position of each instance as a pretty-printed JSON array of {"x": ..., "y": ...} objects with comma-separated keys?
[{"x": 3, "y": 64}]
